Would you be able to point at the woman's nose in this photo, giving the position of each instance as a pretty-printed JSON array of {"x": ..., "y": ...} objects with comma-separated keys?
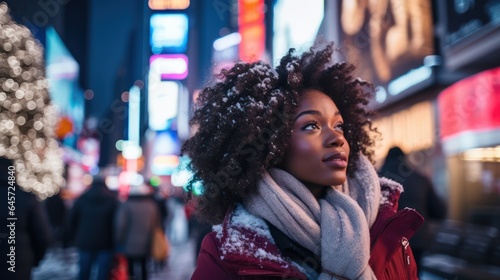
[{"x": 335, "y": 139}]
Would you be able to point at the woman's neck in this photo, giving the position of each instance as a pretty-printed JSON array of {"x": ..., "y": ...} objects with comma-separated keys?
[{"x": 317, "y": 191}]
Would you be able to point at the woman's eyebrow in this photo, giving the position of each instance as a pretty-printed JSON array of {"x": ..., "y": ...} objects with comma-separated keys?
[
  {"x": 308, "y": 112},
  {"x": 313, "y": 112}
]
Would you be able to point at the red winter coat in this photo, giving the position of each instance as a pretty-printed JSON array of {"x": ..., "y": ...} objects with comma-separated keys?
[
  {"x": 391, "y": 256},
  {"x": 250, "y": 254}
]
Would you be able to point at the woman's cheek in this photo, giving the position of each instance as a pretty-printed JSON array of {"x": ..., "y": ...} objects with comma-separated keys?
[{"x": 301, "y": 147}]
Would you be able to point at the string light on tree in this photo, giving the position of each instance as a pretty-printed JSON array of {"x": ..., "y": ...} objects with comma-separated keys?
[{"x": 27, "y": 118}]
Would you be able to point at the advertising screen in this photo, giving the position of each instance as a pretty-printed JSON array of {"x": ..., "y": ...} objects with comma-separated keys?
[
  {"x": 169, "y": 33},
  {"x": 392, "y": 44},
  {"x": 169, "y": 66},
  {"x": 63, "y": 74},
  {"x": 163, "y": 105}
]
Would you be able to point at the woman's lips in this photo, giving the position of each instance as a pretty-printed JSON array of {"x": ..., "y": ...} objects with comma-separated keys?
[{"x": 336, "y": 160}]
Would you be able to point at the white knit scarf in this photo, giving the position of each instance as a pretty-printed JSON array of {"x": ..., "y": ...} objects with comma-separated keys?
[{"x": 335, "y": 227}]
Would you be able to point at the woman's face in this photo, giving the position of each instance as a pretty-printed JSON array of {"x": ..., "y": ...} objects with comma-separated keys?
[{"x": 319, "y": 152}]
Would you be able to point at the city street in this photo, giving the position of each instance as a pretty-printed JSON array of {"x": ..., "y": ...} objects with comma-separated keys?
[
  {"x": 61, "y": 264},
  {"x": 325, "y": 132}
]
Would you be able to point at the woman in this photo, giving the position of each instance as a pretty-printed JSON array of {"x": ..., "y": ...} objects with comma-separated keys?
[{"x": 284, "y": 160}]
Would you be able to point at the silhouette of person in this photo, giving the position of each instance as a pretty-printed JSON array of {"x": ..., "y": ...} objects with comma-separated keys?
[
  {"x": 25, "y": 235},
  {"x": 56, "y": 211},
  {"x": 91, "y": 228},
  {"x": 418, "y": 193},
  {"x": 161, "y": 201},
  {"x": 135, "y": 221}
]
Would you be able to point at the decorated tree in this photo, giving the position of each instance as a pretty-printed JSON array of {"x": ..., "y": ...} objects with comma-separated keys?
[{"x": 27, "y": 117}]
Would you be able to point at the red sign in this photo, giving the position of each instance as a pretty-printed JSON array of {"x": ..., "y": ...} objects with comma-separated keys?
[
  {"x": 471, "y": 105},
  {"x": 251, "y": 29},
  {"x": 250, "y": 11}
]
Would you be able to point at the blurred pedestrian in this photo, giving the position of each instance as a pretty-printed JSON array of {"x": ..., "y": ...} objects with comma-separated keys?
[
  {"x": 136, "y": 219},
  {"x": 91, "y": 228},
  {"x": 283, "y": 158},
  {"x": 56, "y": 211},
  {"x": 161, "y": 201},
  {"x": 419, "y": 194},
  {"x": 24, "y": 228}
]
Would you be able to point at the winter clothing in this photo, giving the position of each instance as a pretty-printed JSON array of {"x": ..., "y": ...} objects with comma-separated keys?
[
  {"x": 56, "y": 211},
  {"x": 243, "y": 247},
  {"x": 135, "y": 221},
  {"x": 29, "y": 234},
  {"x": 390, "y": 255},
  {"x": 91, "y": 219},
  {"x": 286, "y": 203},
  {"x": 91, "y": 228}
]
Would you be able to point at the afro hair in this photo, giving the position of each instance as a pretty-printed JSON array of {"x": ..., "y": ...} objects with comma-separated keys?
[{"x": 245, "y": 122}]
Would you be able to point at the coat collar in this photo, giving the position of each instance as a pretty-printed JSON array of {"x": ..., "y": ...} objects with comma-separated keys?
[
  {"x": 247, "y": 246},
  {"x": 391, "y": 191}
]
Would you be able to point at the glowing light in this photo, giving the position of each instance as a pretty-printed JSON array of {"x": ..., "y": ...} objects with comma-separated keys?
[
  {"x": 380, "y": 94},
  {"x": 227, "y": 41},
  {"x": 155, "y": 181},
  {"x": 131, "y": 150},
  {"x": 87, "y": 179},
  {"x": 27, "y": 118},
  {"x": 491, "y": 154},
  {"x": 169, "y": 33},
  {"x": 169, "y": 66},
  {"x": 168, "y": 4},
  {"x": 409, "y": 79},
  {"x": 88, "y": 94},
  {"x": 124, "y": 96},
  {"x": 164, "y": 164},
  {"x": 134, "y": 115},
  {"x": 162, "y": 103},
  {"x": 139, "y": 84},
  {"x": 119, "y": 145},
  {"x": 197, "y": 188},
  {"x": 412, "y": 129},
  {"x": 112, "y": 182},
  {"x": 130, "y": 178}
]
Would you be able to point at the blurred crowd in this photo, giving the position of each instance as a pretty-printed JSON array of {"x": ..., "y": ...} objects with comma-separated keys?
[{"x": 108, "y": 232}]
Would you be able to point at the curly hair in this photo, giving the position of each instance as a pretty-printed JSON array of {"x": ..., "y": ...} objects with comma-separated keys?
[{"x": 245, "y": 122}]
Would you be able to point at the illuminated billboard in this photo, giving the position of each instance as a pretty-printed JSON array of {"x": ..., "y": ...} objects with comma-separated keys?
[
  {"x": 252, "y": 29},
  {"x": 63, "y": 72},
  {"x": 163, "y": 104},
  {"x": 169, "y": 66},
  {"x": 392, "y": 45},
  {"x": 168, "y": 4},
  {"x": 164, "y": 158},
  {"x": 469, "y": 113},
  {"x": 169, "y": 33}
]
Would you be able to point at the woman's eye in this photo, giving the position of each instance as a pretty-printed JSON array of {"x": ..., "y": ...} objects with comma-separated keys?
[
  {"x": 310, "y": 126},
  {"x": 339, "y": 127}
]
